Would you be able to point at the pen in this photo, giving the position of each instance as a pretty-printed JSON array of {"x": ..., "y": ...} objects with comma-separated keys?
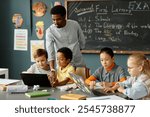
[
  {"x": 52, "y": 98},
  {"x": 69, "y": 89},
  {"x": 17, "y": 92}
]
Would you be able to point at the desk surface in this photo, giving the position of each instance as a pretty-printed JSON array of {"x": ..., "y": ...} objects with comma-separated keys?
[
  {"x": 21, "y": 96},
  {"x": 3, "y": 69},
  {"x": 56, "y": 94}
]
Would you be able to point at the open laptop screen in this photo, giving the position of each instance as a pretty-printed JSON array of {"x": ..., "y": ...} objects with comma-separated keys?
[
  {"x": 31, "y": 79},
  {"x": 81, "y": 84}
]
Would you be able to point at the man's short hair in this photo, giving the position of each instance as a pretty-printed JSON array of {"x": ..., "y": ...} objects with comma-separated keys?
[{"x": 59, "y": 9}]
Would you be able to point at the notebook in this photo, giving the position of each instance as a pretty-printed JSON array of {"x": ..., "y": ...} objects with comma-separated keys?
[
  {"x": 81, "y": 84},
  {"x": 71, "y": 96},
  {"x": 31, "y": 79},
  {"x": 37, "y": 94}
]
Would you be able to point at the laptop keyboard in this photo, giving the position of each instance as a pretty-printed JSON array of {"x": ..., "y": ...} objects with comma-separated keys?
[{"x": 100, "y": 92}]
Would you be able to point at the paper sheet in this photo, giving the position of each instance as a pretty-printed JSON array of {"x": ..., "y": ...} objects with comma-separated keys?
[
  {"x": 8, "y": 81},
  {"x": 110, "y": 97}
]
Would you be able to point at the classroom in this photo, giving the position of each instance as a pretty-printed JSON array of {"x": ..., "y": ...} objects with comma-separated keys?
[
  {"x": 17, "y": 61},
  {"x": 122, "y": 30}
]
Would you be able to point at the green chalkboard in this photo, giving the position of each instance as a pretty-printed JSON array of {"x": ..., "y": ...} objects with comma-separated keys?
[{"x": 123, "y": 25}]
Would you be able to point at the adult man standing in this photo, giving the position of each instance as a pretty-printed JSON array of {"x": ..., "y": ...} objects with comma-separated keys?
[{"x": 64, "y": 33}]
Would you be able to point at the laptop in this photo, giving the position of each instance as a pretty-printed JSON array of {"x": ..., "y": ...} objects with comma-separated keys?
[
  {"x": 81, "y": 84},
  {"x": 31, "y": 79}
]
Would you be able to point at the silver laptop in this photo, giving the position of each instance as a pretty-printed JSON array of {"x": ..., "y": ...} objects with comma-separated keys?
[{"x": 81, "y": 84}]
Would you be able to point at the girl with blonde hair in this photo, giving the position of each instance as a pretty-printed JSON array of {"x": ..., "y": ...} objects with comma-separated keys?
[{"x": 137, "y": 86}]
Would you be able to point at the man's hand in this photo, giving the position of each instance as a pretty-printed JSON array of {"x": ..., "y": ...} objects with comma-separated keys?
[{"x": 52, "y": 78}]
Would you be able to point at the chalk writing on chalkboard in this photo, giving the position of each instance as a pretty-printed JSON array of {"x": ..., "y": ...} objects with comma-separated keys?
[{"x": 119, "y": 24}]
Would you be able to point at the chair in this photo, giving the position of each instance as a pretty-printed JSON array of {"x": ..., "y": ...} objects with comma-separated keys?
[{"x": 83, "y": 71}]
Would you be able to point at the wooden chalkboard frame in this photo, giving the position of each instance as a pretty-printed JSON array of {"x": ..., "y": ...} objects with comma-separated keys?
[{"x": 97, "y": 51}]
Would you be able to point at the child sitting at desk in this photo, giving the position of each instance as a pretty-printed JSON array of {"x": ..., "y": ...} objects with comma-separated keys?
[
  {"x": 41, "y": 66},
  {"x": 137, "y": 86},
  {"x": 64, "y": 57},
  {"x": 108, "y": 74}
]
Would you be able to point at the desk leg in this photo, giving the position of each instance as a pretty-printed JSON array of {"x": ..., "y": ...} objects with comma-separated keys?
[{"x": 6, "y": 74}]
